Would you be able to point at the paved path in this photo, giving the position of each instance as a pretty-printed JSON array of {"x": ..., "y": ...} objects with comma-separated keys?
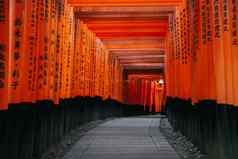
[{"x": 124, "y": 138}]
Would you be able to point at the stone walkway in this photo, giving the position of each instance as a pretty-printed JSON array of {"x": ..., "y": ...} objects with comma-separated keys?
[{"x": 124, "y": 138}]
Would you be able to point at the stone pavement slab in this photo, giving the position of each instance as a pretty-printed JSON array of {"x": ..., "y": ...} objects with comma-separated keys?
[{"x": 124, "y": 138}]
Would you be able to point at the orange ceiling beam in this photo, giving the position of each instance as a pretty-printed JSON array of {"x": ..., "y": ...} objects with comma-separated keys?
[
  {"x": 135, "y": 46},
  {"x": 128, "y": 35},
  {"x": 131, "y": 68},
  {"x": 138, "y": 41},
  {"x": 152, "y": 60},
  {"x": 129, "y": 30},
  {"x": 137, "y": 51},
  {"x": 125, "y": 21},
  {"x": 117, "y": 3},
  {"x": 122, "y": 24},
  {"x": 127, "y": 54},
  {"x": 130, "y": 19},
  {"x": 143, "y": 66},
  {"x": 117, "y": 12},
  {"x": 108, "y": 29},
  {"x": 124, "y": 29},
  {"x": 125, "y": 57},
  {"x": 129, "y": 27},
  {"x": 121, "y": 10},
  {"x": 120, "y": 1},
  {"x": 145, "y": 75}
]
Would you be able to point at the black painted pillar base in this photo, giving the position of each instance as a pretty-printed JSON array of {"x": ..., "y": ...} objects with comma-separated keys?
[{"x": 210, "y": 126}]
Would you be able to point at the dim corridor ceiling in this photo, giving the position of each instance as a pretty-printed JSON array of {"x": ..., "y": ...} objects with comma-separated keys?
[{"x": 134, "y": 31}]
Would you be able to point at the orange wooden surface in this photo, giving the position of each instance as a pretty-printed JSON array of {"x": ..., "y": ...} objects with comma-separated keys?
[
  {"x": 204, "y": 63},
  {"x": 49, "y": 52},
  {"x": 144, "y": 89},
  {"x": 53, "y": 56},
  {"x": 4, "y": 54},
  {"x": 112, "y": 3}
]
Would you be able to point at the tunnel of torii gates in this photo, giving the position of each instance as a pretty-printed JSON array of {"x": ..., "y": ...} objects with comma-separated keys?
[{"x": 182, "y": 54}]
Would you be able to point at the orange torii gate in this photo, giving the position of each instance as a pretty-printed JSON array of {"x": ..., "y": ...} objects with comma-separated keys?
[
  {"x": 201, "y": 52},
  {"x": 48, "y": 54},
  {"x": 147, "y": 90}
]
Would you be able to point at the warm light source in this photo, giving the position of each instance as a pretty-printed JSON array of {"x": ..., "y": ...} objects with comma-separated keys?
[{"x": 161, "y": 81}]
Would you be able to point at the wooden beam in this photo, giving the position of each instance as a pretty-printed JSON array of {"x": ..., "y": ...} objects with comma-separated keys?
[
  {"x": 128, "y": 35},
  {"x": 135, "y": 41},
  {"x": 142, "y": 71},
  {"x": 125, "y": 57},
  {"x": 143, "y": 67},
  {"x": 131, "y": 47},
  {"x": 118, "y": 9},
  {"x": 144, "y": 64},
  {"x": 145, "y": 75},
  {"x": 151, "y": 60},
  {"x": 131, "y": 30},
  {"x": 135, "y": 52},
  {"x": 123, "y": 15},
  {"x": 124, "y": 3},
  {"x": 122, "y": 26}
]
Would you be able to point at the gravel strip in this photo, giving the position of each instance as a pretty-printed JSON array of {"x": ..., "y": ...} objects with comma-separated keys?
[
  {"x": 180, "y": 143},
  {"x": 58, "y": 151}
]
